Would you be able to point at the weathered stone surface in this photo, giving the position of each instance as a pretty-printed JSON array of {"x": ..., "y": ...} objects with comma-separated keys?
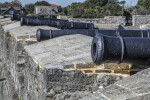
[
  {"x": 143, "y": 97},
  {"x": 107, "y": 26},
  {"x": 131, "y": 88},
  {"x": 115, "y": 92},
  {"x": 78, "y": 95},
  {"x": 145, "y": 26},
  {"x": 94, "y": 96},
  {"x": 6, "y": 21},
  {"x": 11, "y": 26},
  {"x": 139, "y": 20},
  {"x": 116, "y": 20},
  {"x": 61, "y": 51},
  {"x": 139, "y": 83},
  {"x": 106, "y": 80}
]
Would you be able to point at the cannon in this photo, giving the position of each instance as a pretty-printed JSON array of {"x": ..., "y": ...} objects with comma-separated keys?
[
  {"x": 126, "y": 33},
  {"x": 42, "y": 34},
  {"x": 79, "y": 25},
  {"x": 117, "y": 49},
  {"x": 43, "y": 21},
  {"x": 16, "y": 17},
  {"x": 59, "y": 23},
  {"x": 27, "y": 20}
]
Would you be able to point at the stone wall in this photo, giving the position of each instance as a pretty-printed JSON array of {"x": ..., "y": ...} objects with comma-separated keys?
[
  {"x": 116, "y": 20},
  {"x": 26, "y": 81},
  {"x": 139, "y": 20}
]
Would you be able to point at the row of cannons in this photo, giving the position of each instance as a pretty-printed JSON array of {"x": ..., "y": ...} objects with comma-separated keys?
[
  {"x": 115, "y": 46},
  {"x": 58, "y": 23}
]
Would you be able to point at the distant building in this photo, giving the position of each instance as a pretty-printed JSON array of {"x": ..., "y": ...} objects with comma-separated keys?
[
  {"x": 12, "y": 10},
  {"x": 46, "y": 11}
]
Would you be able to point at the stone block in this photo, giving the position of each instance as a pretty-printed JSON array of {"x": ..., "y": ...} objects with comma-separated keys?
[
  {"x": 114, "y": 92},
  {"x": 11, "y": 26},
  {"x": 142, "y": 97}
]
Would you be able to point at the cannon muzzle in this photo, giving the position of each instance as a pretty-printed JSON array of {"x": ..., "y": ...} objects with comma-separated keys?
[{"x": 117, "y": 49}]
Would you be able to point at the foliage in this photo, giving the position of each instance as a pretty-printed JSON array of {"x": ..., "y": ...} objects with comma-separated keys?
[
  {"x": 16, "y": 4},
  {"x": 9, "y": 4},
  {"x": 42, "y": 3},
  {"x": 29, "y": 8},
  {"x": 145, "y": 4},
  {"x": 60, "y": 9},
  {"x": 139, "y": 10},
  {"x": 65, "y": 11},
  {"x": 122, "y": 2},
  {"x": 6, "y": 4},
  {"x": 94, "y": 9}
]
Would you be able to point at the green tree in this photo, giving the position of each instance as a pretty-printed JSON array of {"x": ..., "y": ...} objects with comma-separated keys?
[
  {"x": 16, "y": 4},
  {"x": 94, "y": 8},
  {"x": 94, "y": 3},
  {"x": 6, "y": 4},
  {"x": 140, "y": 2},
  {"x": 60, "y": 9},
  {"x": 65, "y": 11},
  {"x": 9, "y": 4},
  {"x": 145, "y": 4},
  {"x": 29, "y": 8},
  {"x": 122, "y": 3},
  {"x": 42, "y": 3}
]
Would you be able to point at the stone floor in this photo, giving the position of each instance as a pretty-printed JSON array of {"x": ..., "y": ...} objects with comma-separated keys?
[{"x": 66, "y": 52}]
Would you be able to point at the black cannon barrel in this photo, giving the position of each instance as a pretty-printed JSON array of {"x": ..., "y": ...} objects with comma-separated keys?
[
  {"x": 44, "y": 34},
  {"x": 43, "y": 21},
  {"x": 59, "y": 23},
  {"x": 79, "y": 25},
  {"x": 16, "y": 16},
  {"x": 119, "y": 49},
  {"x": 27, "y": 20},
  {"x": 24, "y": 21},
  {"x": 126, "y": 33}
]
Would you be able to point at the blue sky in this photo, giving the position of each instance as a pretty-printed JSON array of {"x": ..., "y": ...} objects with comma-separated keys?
[{"x": 66, "y": 2}]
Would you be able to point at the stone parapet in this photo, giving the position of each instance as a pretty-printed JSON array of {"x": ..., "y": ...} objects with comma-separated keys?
[
  {"x": 111, "y": 22},
  {"x": 139, "y": 20}
]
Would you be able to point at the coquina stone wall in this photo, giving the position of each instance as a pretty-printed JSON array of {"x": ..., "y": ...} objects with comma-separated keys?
[
  {"x": 26, "y": 81},
  {"x": 139, "y": 20},
  {"x": 119, "y": 20}
]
